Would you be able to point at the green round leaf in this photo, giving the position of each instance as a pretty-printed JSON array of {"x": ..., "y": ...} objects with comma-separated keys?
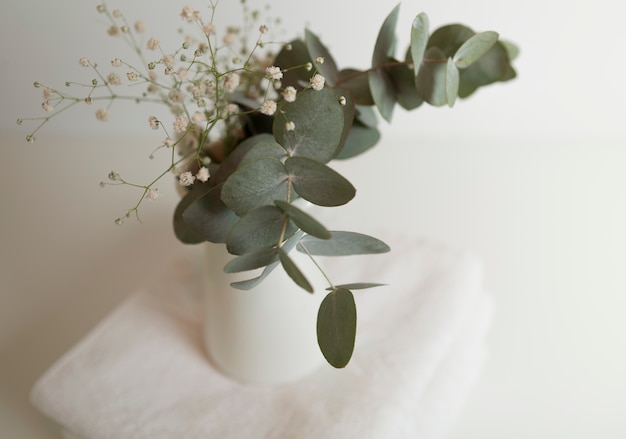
[
  {"x": 208, "y": 217},
  {"x": 360, "y": 139},
  {"x": 357, "y": 84},
  {"x": 293, "y": 271},
  {"x": 293, "y": 54},
  {"x": 343, "y": 243},
  {"x": 258, "y": 258},
  {"x": 452, "y": 82},
  {"x": 383, "y": 92},
  {"x": 260, "y": 227},
  {"x": 475, "y": 47},
  {"x": 419, "y": 40},
  {"x": 386, "y": 40},
  {"x": 319, "y": 123},
  {"x": 431, "y": 80},
  {"x": 328, "y": 68},
  {"x": 336, "y": 327},
  {"x": 449, "y": 38},
  {"x": 267, "y": 148},
  {"x": 317, "y": 183},
  {"x": 306, "y": 222},
  {"x": 255, "y": 184}
]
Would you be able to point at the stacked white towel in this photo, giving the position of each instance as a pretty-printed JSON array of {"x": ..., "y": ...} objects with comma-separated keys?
[{"x": 142, "y": 372}]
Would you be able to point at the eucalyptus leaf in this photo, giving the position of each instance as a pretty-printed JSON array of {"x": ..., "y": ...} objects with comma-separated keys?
[
  {"x": 431, "y": 80},
  {"x": 448, "y": 39},
  {"x": 293, "y": 54},
  {"x": 360, "y": 139},
  {"x": 255, "y": 184},
  {"x": 312, "y": 109},
  {"x": 252, "y": 260},
  {"x": 266, "y": 148},
  {"x": 317, "y": 183},
  {"x": 452, "y": 82},
  {"x": 249, "y": 284},
  {"x": 208, "y": 217},
  {"x": 357, "y": 286},
  {"x": 303, "y": 220},
  {"x": 181, "y": 229},
  {"x": 404, "y": 86},
  {"x": 316, "y": 49},
  {"x": 293, "y": 271},
  {"x": 383, "y": 92},
  {"x": 385, "y": 42},
  {"x": 342, "y": 243},
  {"x": 492, "y": 67},
  {"x": 475, "y": 47},
  {"x": 260, "y": 227},
  {"x": 419, "y": 40},
  {"x": 336, "y": 327},
  {"x": 357, "y": 84}
]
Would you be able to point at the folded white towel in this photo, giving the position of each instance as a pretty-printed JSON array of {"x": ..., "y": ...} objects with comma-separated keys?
[{"x": 142, "y": 372}]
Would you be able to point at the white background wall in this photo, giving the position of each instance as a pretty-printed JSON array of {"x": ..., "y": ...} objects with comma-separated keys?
[{"x": 528, "y": 175}]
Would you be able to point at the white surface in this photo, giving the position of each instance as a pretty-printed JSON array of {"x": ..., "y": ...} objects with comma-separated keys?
[
  {"x": 528, "y": 175},
  {"x": 142, "y": 373}
]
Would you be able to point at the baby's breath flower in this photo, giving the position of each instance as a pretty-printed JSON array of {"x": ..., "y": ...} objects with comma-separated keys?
[
  {"x": 290, "y": 126},
  {"x": 208, "y": 29},
  {"x": 154, "y": 122},
  {"x": 84, "y": 62},
  {"x": 47, "y": 106},
  {"x": 231, "y": 109},
  {"x": 187, "y": 13},
  {"x": 317, "y": 82},
  {"x": 289, "y": 94},
  {"x": 152, "y": 43},
  {"x": 47, "y": 93},
  {"x": 132, "y": 76},
  {"x": 203, "y": 174},
  {"x": 116, "y": 62},
  {"x": 268, "y": 107},
  {"x": 229, "y": 38},
  {"x": 342, "y": 100},
  {"x": 114, "y": 31},
  {"x": 117, "y": 13},
  {"x": 114, "y": 79},
  {"x": 140, "y": 27},
  {"x": 100, "y": 8},
  {"x": 273, "y": 72},
  {"x": 180, "y": 124},
  {"x": 168, "y": 60},
  {"x": 186, "y": 179},
  {"x": 263, "y": 29},
  {"x": 168, "y": 142},
  {"x": 102, "y": 115},
  {"x": 182, "y": 74},
  {"x": 114, "y": 176},
  {"x": 152, "y": 194},
  {"x": 198, "y": 117},
  {"x": 231, "y": 82},
  {"x": 308, "y": 66},
  {"x": 319, "y": 60}
]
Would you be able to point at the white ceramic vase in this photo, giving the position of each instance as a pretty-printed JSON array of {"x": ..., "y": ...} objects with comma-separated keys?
[{"x": 263, "y": 336}]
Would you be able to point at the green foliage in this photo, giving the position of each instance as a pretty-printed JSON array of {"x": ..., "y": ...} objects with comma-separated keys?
[
  {"x": 249, "y": 201},
  {"x": 336, "y": 327}
]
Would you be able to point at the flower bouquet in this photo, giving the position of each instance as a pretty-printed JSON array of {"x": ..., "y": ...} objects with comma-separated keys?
[{"x": 253, "y": 123}]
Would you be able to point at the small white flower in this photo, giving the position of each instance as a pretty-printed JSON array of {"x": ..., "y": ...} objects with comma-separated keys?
[
  {"x": 198, "y": 117},
  {"x": 152, "y": 44},
  {"x": 231, "y": 82},
  {"x": 203, "y": 174},
  {"x": 289, "y": 94},
  {"x": 102, "y": 115},
  {"x": 132, "y": 76},
  {"x": 47, "y": 93},
  {"x": 231, "y": 109},
  {"x": 168, "y": 142},
  {"x": 116, "y": 62},
  {"x": 154, "y": 122},
  {"x": 342, "y": 100},
  {"x": 208, "y": 28},
  {"x": 187, "y": 13},
  {"x": 47, "y": 107},
  {"x": 308, "y": 66},
  {"x": 290, "y": 126},
  {"x": 182, "y": 74},
  {"x": 180, "y": 124},
  {"x": 268, "y": 107},
  {"x": 84, "y": 62},
  {"x": 117, "y": 13},
  {"x": 186, "y": 179},
  {"x": 114, "y": 31},
  {"x": 317, "y": 82},
  {"x": 319, "y": 60},
  {"x": 263, "y": 29},
  {"x": 152, "y": 194},
  {"x": 168, "y": 60},
  {"x": 114, "y": 79},
  {"x": 140, "y": 27},
  {"x": 273, "y": 72},
  {"x": 229, "y": 38}
]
